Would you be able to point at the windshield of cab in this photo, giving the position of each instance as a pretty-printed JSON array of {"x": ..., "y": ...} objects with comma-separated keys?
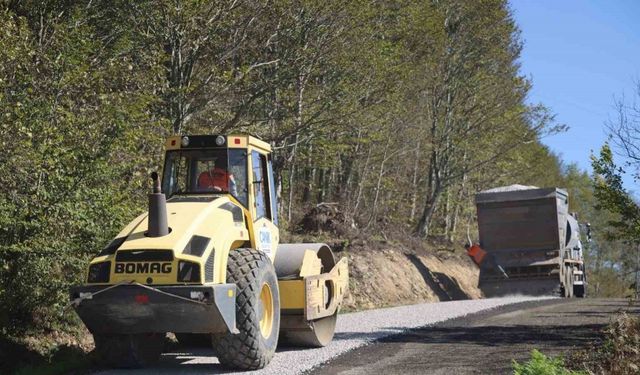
[{"x": 212, "y": 171}]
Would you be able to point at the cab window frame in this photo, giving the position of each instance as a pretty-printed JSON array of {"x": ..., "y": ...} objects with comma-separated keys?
[
  {"x": 259, "y": 163},
  {"x": 169, "y": 172}
]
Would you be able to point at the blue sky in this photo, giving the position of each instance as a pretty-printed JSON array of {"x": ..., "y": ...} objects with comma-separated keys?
[{"x": 580, "y": 55}]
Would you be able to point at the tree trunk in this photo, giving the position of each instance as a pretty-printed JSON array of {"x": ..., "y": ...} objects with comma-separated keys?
[
  {"x": 320, "y": 189},
  {"x": 308, "y": 177},
  {"x": 458, "y": 204},
  {"x": 363, "y": 178},
  {"x": 374, "y": 210},
  {"x": 414, "y": 184},
  {"x": 298, "y": 120},
  {"x": 427, "y": 214},
  {"x": 447, "y": 213},
  {"x": 637, "y": 286},
  {"x": 292, "y": 178}
]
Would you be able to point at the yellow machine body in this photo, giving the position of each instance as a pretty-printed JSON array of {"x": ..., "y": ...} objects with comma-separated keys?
[{"x": 190, "y": 262}]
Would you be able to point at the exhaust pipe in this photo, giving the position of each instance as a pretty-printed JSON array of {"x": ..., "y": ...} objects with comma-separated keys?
[{"x": 158, "y": 225}]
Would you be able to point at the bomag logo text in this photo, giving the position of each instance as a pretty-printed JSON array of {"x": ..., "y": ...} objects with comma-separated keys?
[{"x": 147, "y": 267}]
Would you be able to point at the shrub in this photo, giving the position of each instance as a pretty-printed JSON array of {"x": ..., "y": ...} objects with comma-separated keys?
[
  {"x": 619, "y": 354},
  {"x": 540, "y": 364}
]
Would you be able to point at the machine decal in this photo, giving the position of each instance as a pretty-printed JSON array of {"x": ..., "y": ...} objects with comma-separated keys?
[
  {"x": 265, "y": 240},
  {"x": 154, "y": 267}
]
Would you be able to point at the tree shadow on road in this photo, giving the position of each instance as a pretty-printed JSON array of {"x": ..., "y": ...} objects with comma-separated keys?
[
  {"x": 446, "y": 288},
  {"x": 553, "y": 335},
  {"x": 368, "y": 336}
]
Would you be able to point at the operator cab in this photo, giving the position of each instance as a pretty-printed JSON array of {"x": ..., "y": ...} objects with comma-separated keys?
[
  {"x": 206, "y": 171},
  {"x": 226, "y": 165},
  {"x": 217, "y": 164}
]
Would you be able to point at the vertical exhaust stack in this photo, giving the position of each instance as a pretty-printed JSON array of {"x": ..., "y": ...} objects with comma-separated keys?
[{"x": 158, "y": 225}]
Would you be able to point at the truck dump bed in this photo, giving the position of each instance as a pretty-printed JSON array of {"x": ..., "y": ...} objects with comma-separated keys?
[{"x": 524, "y": 230}]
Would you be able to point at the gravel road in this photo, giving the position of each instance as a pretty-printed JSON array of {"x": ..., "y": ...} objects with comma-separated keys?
[{"x": 354, "y": 330}]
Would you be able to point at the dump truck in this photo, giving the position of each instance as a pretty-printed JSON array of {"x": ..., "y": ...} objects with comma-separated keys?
[
  {"x": 529, "y": 243},
  {"x": 205, "y": 262}
]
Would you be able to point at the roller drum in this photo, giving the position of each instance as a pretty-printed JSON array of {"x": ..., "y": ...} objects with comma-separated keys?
[{"x": 288, "y": 263}]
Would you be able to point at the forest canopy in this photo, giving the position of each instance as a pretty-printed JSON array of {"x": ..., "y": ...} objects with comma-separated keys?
[{"x": 396, "y": 112}]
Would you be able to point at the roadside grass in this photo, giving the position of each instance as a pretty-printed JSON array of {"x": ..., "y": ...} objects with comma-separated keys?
[
  {"x": 540, "y": 364},
  {"x": 618, "y": 354}
]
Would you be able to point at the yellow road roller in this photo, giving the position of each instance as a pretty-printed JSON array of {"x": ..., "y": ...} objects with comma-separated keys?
[{"x": 205, "y": 261}]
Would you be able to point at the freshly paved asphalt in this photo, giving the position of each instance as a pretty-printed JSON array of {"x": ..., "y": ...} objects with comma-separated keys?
[{"x": 485, "y": 342}]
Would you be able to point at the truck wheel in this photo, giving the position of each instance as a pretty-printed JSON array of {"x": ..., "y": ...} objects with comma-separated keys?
[
  {"x": 129, "y": 351},
  {"x": 257, "y": 312},
  {"x": 579, "y": 291},
  {"x": 568, "y": 282}
]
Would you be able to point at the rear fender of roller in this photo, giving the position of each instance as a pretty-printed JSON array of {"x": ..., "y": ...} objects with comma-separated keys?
[
  {"x": 310, "y": 280},
  {"x": 324, "y": 293}
]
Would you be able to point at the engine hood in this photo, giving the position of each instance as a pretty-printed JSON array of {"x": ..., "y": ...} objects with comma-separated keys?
[{"x": 187, "y": 216}]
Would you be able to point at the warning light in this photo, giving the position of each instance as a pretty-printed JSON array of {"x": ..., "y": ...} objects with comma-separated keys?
[
  {"x": 142, "y": 298},
  {"x": 236, "y": 141}
]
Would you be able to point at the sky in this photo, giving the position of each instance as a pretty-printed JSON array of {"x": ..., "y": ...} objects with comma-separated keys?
[{"x": 580, "y": 55}]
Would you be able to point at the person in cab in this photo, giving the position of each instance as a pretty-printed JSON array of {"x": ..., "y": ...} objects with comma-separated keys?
[{"x": 217, "y": 179}]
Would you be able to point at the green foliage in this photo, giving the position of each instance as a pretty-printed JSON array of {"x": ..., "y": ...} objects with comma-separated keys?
[
  {"x": 620, "y": 223},
  {"x": 72, "y": 131},
  {"x": 398, "y": 113},
  {"x": 612, "y": 195},
  {"x": 540, "y": 364}
]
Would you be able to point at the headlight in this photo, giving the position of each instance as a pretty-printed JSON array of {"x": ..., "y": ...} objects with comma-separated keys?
[
  {"x": 188, "y": 272},
  {"x": 99, "y": 272}
]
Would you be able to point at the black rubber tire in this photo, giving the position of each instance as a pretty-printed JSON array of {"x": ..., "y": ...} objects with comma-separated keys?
[
  {"x": 194, "y": 340},
  {"x": 249, "y": 269},
  {"x": 129, "y": 351}
]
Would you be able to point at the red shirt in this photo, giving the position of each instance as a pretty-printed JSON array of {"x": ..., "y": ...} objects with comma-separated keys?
[{"x": 214, "y": 178}]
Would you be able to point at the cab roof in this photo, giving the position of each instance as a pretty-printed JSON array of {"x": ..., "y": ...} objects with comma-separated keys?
[{"x": 190, "y": 142}]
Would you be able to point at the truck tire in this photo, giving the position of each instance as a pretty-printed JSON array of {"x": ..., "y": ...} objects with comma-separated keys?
[
  {"x": 129, "y": 351},
  {"x": 257, "y": 312},
  {"x": 579, "y": 291},
  {"x": 568, "y": 282}
]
